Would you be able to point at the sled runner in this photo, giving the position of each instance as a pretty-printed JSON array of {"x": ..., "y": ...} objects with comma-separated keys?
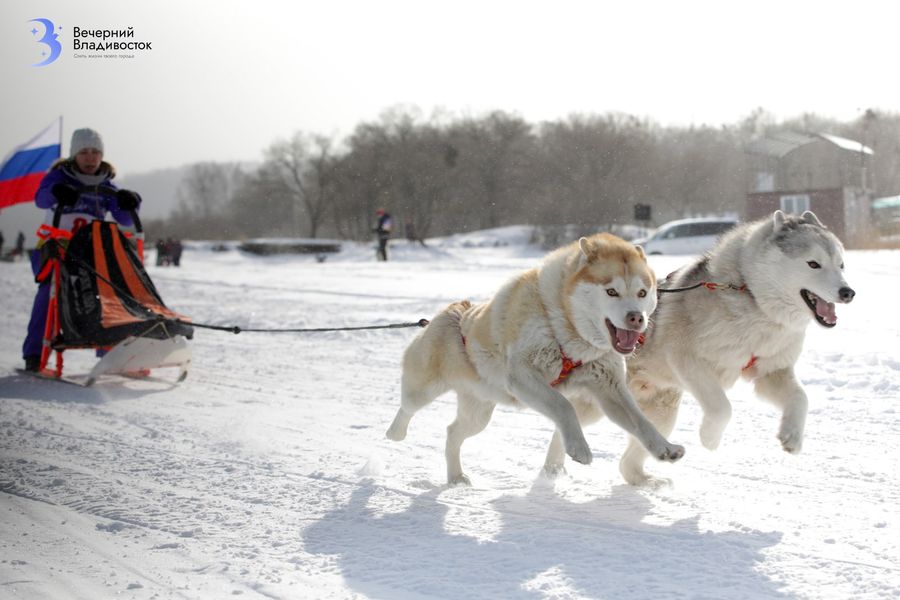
[{"x": 101, "y": 297}]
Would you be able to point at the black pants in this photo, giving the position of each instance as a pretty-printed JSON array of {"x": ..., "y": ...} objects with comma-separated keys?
[{"x": 382, "y": 247}]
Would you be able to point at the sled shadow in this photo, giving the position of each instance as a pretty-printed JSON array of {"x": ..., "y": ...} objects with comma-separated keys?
[
  {"x": 28, "y": 387},
  {"x": 546, "y": 547}
]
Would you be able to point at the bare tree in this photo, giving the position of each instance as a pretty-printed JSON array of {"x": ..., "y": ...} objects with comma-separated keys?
[
  {"x": 206, "y": 188},
  {"x": 498, "y": 150},
  {"x": 301, "y": 165},
  {"x": 261, "y": 205},
  {"x": 449, "y": 175},
  {"x": 361, "y": 178},
  {"x": 596, "y": 167},
  {"x": 320, "y": 186},
  {"x": 204, "y": 194}
]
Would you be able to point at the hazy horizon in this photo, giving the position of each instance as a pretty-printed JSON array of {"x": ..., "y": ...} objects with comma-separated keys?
[{"x": 223, "y": 80}]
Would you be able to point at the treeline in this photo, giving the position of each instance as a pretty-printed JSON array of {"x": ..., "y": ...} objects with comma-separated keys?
[{"x": 456, "y": 174}]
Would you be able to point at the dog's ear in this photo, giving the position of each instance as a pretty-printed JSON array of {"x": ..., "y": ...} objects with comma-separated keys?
[
  {"x": 588, "y": 250},
  {"x": 593, "y": 247},
  {"x": 640, "y": 252},
  {"x": 778, "y": 220},
  {"x": 811, "y": 218}
]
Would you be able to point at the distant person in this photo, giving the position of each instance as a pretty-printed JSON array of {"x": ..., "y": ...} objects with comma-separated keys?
[
  {"x": 1, "y": 243},
  {"x": 383, "y": 231},
  {"x": 175, "y": 252},
  {"x": 409, "y": 227},
  {"x": 160, "y": 252},
  {"x": 71, "y": 183},
  {"x": 19, "y": 250}
]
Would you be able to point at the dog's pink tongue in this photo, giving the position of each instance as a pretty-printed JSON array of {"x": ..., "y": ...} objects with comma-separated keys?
[
  {"x": 826, "y": 311},
  {"x": 626, "y": 338}
]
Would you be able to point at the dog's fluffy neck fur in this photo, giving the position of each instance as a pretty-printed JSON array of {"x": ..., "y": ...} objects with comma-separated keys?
[{"x": 552, "y": 274}]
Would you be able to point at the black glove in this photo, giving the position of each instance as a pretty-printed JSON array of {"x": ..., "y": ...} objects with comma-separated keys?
[
  {"x": 127, "y": 200},
  {"x": 66, "y": 195}
]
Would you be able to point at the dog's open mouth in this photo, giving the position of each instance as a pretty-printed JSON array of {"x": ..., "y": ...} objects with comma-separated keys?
[
  {"x": 623, "y": 340},
  {"x": 822, "y": 311}
]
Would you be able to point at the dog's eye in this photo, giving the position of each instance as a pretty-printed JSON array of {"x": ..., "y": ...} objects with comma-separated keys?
[
  {"x": 842, "y": 266},
  {"x": 612, "y": 292},
  {"x": 813, "y": 264},
  {"x": 642, "y": 294}
]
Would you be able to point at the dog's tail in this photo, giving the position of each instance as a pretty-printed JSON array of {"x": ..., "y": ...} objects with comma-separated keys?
[{"x": 439, "y": 349}]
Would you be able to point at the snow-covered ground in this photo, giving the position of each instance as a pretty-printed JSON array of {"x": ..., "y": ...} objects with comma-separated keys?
[{"x": 267, "y": 474}]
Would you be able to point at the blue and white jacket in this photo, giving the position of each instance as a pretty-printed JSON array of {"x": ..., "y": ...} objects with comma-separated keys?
[{"x": 90, "y": 206}]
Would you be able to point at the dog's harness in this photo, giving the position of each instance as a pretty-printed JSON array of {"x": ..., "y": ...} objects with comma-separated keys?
[
  {"x": 568, "y": 365},
  {"x": 713, "y": 287}
]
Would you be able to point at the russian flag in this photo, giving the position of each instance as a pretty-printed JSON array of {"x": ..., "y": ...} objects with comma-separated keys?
[{"x": 26, "y": 165}]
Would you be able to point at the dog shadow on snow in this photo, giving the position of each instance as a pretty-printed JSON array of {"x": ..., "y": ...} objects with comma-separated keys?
[{"x": 546, "y": 546}]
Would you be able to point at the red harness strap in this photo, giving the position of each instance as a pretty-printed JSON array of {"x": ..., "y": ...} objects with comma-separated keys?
[
  {"x": 724, "y": 286},
  {"x": 713, "y": 287},
  {"x": 568, "y": 365}
]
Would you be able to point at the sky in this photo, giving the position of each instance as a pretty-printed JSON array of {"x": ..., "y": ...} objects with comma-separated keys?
[{"x": 224, "y": 79}]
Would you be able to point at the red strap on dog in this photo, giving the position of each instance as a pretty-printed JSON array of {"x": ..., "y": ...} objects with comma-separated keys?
[
  {"x": 723, "y": 286},
  {"x": 568, "y": 365},
  {"x": 751, "y": 363}
]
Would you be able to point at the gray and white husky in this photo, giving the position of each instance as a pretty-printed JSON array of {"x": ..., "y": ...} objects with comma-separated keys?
[{"x": 773, "y": 277}]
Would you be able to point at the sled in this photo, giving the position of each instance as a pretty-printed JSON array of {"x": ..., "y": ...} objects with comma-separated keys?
[
  {"x": 102, "y": 298},
  {"x": 136, "y": 356}
]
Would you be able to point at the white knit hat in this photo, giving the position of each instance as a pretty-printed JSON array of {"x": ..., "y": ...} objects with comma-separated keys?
[{"x": 85, "y": 138}]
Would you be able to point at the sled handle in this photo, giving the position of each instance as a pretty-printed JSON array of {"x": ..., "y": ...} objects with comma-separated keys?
[
  {"x": 138, "y": 227},
  {"x": 57, "y": 215},
  {"x": 105, "y": 191}
]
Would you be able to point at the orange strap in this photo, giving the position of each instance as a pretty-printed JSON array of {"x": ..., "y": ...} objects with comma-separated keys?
[
  {"x": 112, "y": 311},
  {"x": 568, "y": 365},
  {"x": 137, "y": 289},
  {"x": 724, "y": 286}
]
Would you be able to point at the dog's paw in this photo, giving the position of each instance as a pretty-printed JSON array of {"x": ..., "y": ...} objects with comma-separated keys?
[
  {"x": 711, "y": 433},
  {"x": 635, "y": 475},
  {"x": 395, "y": 435},
  {"x": 791, "y": 439},
  {"x": 461, "y": 480},
  {"x": 671, "y": 453},
  {"x": 553, "y": 471},
  {"x": 580, "y": 451},
  {"x": 397, "y": 430},
  {"x": 651, "y": 482}
]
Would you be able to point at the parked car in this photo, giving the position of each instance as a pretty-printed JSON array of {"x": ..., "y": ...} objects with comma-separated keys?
[{"x": 686, "y": 236}]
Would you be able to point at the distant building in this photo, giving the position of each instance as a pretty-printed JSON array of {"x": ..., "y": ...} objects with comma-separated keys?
[
  {"x": 823, "y": 173},
  {"x": 886, "y": 215}
]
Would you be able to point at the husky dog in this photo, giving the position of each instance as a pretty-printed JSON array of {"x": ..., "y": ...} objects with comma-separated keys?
[
  {"x": 767, "y": 281},
  {"x": 552, "y": 333}
]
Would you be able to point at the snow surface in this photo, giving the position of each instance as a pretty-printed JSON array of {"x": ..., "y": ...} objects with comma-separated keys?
[{"x": 267, "y": 474}]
